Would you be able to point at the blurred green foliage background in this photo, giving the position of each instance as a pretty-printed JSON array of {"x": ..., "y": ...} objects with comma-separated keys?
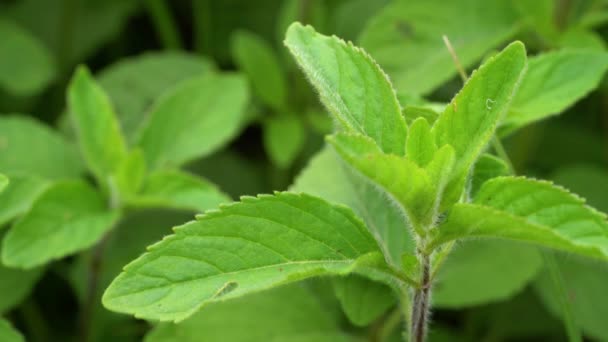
[{"x": 140, "y": 50}]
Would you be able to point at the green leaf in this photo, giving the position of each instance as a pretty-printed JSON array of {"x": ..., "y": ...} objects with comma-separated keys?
[
  {"x": 284, "y": 138},
  {"x": 555, "y": 81},
  {"x": 257, "y": 59},
  {"x": 66, "y": 218},
  {"x": 328, "y": 177},
  {"x": 353, "y": 88},
  {"x": 585, "y": 284},
  {"x": 469, "y": 121},
  {"x": 133, "y": 84},
  {"x": 289, "y": 313},
  {"x": 486, "y": 168},
  {"x": 3, "y": 182},
  {"x": 243, "y": 248},
  {"x": 19, "y": 196},
  {"x": 26, "y": 67},
  {"x": 8, "y": 333},
  {"x": 590, "y": 181},
  {"x": 178, "y": 190},
  {"x": 130, "y": 174},
  {"x": 363, "y": 300},
  {"x": 99, "y": 136},
  {"x": 530, "y": 211},
  {"x": 408, "y": 184},
  {"x": 29, "y": 147},
  {"x": 483, "y": 271},
  {"x": 194, "y": 119},
  {"x": 420, "y": 147},
  {"x": 405, "y": 38}
]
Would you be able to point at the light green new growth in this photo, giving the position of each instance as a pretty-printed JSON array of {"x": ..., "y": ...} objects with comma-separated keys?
[
  {"x": 8, "y": 333},
  {"x": 351, "y": 85},
  {"x": 3, "y": 182}
]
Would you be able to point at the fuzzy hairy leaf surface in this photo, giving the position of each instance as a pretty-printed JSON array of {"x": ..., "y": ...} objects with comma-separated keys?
[
  {"x": 99, "y": 135},
  {"x": 245, "y": 247},
  {"x": 405, "y": 38},
  {"x": 26, "y": 66},
  {"x": 68, "y": 217},
  {"x": 259, "y": 61},
  {"x": 469, "y": 121},
  {"x": 555, "y": 81},
  {"x": 135, "y": 83},
  {"x": 352, "y": 86},
  {"x": 194, "y": 119},
  {"x": 27, "y": 146},
  {"x": 328, "y": 177},
  {"x": 289, "y": 313},
  {"x": 178, "y": 190},
  {"x": 8, "y": 333},
  {"x": 530, "y": 211}
]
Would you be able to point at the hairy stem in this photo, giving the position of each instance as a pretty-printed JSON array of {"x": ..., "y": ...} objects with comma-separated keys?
[{"x": 421, "y": 302}]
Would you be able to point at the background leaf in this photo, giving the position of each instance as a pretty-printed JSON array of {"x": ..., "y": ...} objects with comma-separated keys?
[
  {"x": 483, "y": 271},
  {"x": 363, "y": 300},
  {"x": 194, "y": 119},
  {"x": 555, "y": 81},
  {"x": 133, "y": 84},
  {"x": 284, "y": 138},
  {"x": 29, "y": 147},
  {"x": 8, "y": 333},
  {"x": 99, "y": 136},
  {"x": 26, "y": 66},
  {"x": 289, "y": 313},
  {"x": 68, "y": 217},
  {"x": 257, "y": 59},
  {"x": 405, "y": 38}
]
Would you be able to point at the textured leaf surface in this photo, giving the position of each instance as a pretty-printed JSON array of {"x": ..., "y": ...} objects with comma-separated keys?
[
  {"x": 258, "y": 60},
  {"x": 284, "y": 137},
  {"x": 66, "y": 218},
  {"x": 179, "y": 190},
  {"x": 420, "y": 146},
  {"x": 194, "y": 119},
  {"x": 26, "y": 66},
  {"x": 99, "y": 136},
  {"x": 288, "y": 313},
  {"x": 328, "y": 177},
  {"x": 243, "y": 248},
  {"x": 469, "y": 121},
  {"x": 19, "y": 196},
  {"x": 353, "y": 88},
  {"x": 483, "y": 271},
  {"x": 405, "y": 38},
  {"x": 555, "y": 81},
  {"x": 135, "y": 83},
  {"x": 363, "y": 300},
  {"x": 8, "y": 333},
  {"x": 29, "y": 147},
  {"x": 530, "y": 211},
  {"x": 406, "y": 182}
]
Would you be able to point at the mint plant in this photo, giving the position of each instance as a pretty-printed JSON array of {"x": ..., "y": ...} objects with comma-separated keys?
[{"x": 416, "y": 186}]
